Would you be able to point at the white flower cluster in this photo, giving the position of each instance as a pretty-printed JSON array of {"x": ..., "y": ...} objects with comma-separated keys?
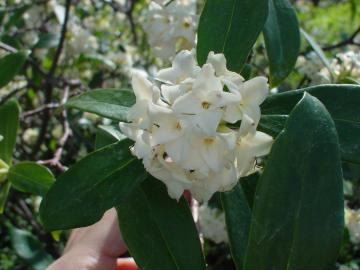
[
  {"x": 347, "y": 64},
  {"x": 352, "y": 222},
  {"x": 212, "y": 224},
  {"x": 180, "y": 129},
  {"x": 80, "y": 40},
  {"x": 312, "y": 67},
  {"x": 171, "y": 28},
  {"x": 353, "y": 266},
  {"x": 343, "y": 65}
]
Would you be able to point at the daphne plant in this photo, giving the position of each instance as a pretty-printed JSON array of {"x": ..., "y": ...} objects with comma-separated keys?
[{"x": 200, "y": 126}]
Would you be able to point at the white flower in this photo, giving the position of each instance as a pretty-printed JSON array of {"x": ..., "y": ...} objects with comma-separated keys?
[
  {"x": 248, "y": 148},
  {"x": 203, "y": 105},
  {"x": 212, "y": 224},
  {"x": 252, "y": 94},
  {"x": 352, "y": 266},
  {"x": 352, "y": 222},
  {"x": 30, "y": 135},
  {"x": 180, "y": 131},
  {"x": 146, "y": 94},
  {"x": 170, "y": 27},
  {"x": 230, "y": 78},
  {"x": 80, "y": 40}
]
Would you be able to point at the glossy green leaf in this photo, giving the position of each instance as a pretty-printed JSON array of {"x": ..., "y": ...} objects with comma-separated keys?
[
  {"x": 272, "y": 124},
  {"x": 4, "y": 192},
  {"x": 96, "y": 183},
  {"x": 110, "y": 103},
  {"x": 298, "y": 214},
  {"x": 160, "y": 232},
  {"x": 29, "y": 249},
  {"x": 248, "y": 185},
  {"x": 106, "y": 135},
  {"x": 238, "y": 216},
  {"x": 10, "y": 65},
  {"x": 230, "y": 27},
  {"x": 9, "y": 115},
  {"x": 31, "y": 177},
  {"x": 343, "y": 103},
  {"x": 282, "y": 39}
]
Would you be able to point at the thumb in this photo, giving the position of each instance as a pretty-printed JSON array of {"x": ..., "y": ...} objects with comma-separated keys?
[{"x": 126, "y": 264}]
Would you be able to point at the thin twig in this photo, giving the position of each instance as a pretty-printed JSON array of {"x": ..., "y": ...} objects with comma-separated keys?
[
  {"x": 40, "y": 109},
  {"x": 49, "y": 87},
  {"x": 62, "y": 39},
  {"x": 10, "y": 95},
  {"x": 129, "y": 10},
  {"x": 56, "y": 160},
  {"x": 7, "y": 47},
  {"x": 349, "y": 41}
]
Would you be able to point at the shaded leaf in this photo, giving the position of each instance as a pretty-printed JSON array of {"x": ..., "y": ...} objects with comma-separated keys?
[
  {"x": 299, "y": 207},
  {"x": 110, "y": 103},
  {"x": 238, "y": 215},
  {"x": 342, "y": 101},
  {"x": 282, "y": 39},
  {"x": 9, "y": 115},
  {"x": 233, "y": 32},
  {"x": 106, "y": 135},
  {"x": 168, "y": 238},
  {"x": 96, "y": 183},
  {"x": 10, "y": 65},
  {"x": 4, "y": 192},
  {"x": 29, "y": 249},
  {"x": 31, "y": 177}
]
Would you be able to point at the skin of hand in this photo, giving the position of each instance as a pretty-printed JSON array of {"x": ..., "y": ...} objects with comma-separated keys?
[{"x": 96, "y": 247}]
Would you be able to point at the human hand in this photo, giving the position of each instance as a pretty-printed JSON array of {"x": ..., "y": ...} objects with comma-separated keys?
[{"x": 95, "y": 247}]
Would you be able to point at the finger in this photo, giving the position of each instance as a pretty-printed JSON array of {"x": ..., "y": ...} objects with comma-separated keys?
[
  {"x": 103, "y": 237},
  {"x": 126, "y": 264}
]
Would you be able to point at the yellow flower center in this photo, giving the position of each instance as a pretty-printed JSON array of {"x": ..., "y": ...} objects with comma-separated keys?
[
  {"x": 205, "y": 105},
  {"x": 208, "y": 140}
]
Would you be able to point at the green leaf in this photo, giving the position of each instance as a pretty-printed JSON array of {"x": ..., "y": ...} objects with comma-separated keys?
[
  {"x": 342, "y": 101},
  {"x": 31, "y": 177},
  {"x": 282, "y": 39},
  {"x": 13, "y": 41},
  {"x": 110, "y": 103},
  {"x": 317, "y": 49},
  {"x": 16, "y": 16},
  {"x": 298, "y": 214},
  {"x": 4, "y": 192},
  {"x": 29, "y": 249},
  {"x": 9, "y": 115},
  {"x": 10, "y": 65},
  {"x": 106, "y": 135},
  {"x": 272, "y": 124},
  {"x": 233, "y": 31},
  {"x": 47, "y": 40},
  {"x": 237, "y": 215},
  {"x": 159, "y": 231},
  {"x": 96, "y": 183},
  {"x": 248, "y": 185}
]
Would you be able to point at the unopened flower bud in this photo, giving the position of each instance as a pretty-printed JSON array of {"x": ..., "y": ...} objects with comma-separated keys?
[{"x": 4, "y": 169}]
